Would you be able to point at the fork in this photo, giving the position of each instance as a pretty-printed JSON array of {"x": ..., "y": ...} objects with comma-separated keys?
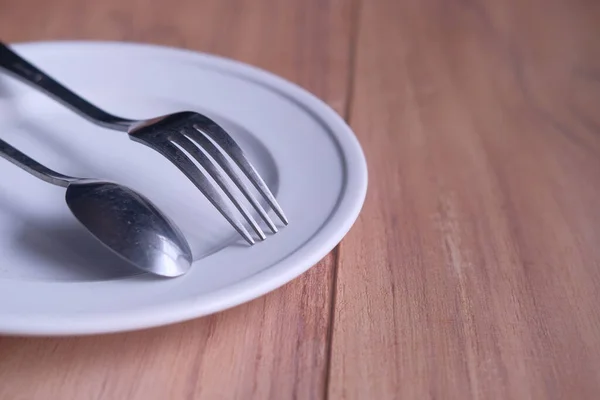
[{"x": 180, "y": 137}]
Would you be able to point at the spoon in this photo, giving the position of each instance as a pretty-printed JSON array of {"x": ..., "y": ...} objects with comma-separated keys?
[{"x": 122, "y": 219}]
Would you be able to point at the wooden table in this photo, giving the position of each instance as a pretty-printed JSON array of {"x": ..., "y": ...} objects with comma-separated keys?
[{"x": 473, "y": 271}]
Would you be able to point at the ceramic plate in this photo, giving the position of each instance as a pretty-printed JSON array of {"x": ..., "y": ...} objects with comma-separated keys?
[{"x": 55, "y": 279}]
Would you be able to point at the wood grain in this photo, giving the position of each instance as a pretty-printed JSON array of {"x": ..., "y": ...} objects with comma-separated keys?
[
  {"x": 473, "y": 272},
  {"x": 275, "y": 347}
]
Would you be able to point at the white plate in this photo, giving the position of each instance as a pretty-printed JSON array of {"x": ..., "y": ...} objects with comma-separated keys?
[{"x": 56, "y": 280}]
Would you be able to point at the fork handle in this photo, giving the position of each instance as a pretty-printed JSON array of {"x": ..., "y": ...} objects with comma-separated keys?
[{"x": 21, "y": 69}]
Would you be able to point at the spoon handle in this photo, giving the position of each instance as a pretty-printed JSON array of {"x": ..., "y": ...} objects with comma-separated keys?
[{"x": 36, "y": 169}]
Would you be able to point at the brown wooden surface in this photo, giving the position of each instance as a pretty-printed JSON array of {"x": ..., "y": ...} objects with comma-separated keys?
[{"x": 473, "y": 271}]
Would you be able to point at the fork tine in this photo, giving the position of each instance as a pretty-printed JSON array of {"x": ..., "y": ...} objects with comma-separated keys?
[
  {"x": 181, "y": 161},
  {"x": 226, "y": 142},
  {"x": 198, "y": 137},
  {"x": 208, "y": 165}
]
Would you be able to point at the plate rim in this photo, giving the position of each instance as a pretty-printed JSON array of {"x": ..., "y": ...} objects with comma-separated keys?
[{"x": 294, "y": 264}]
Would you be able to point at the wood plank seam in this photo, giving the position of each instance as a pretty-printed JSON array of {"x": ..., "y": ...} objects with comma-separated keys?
[{"x": 352, "y": 51}]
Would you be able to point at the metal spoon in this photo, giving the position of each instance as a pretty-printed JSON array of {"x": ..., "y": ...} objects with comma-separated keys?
[{"x": 122, "y": 219}]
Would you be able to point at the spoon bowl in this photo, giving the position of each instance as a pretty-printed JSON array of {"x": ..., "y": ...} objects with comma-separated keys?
[
  {"x": 123, "y": 220},
  {"x": 130, "y": 225}
]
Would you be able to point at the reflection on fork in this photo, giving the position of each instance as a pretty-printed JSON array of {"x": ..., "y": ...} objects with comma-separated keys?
[{"x": 183, "y": 138}]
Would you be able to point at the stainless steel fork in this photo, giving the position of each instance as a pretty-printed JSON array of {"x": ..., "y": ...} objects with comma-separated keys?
[{"x": 177, "y": 137}]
